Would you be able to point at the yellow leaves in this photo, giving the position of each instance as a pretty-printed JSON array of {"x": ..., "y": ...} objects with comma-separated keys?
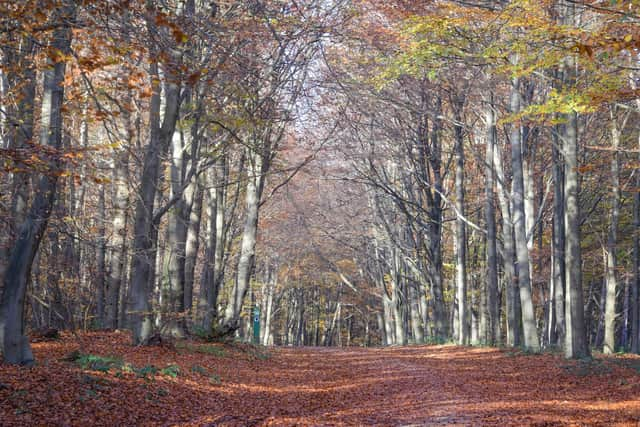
[
  {"x": 179, "y": 36},
  {"x": 57, "y": 56},
  {"x": 573, "y": 101}
]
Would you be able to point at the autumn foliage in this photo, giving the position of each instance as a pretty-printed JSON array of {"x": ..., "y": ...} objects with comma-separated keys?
[{"x": 196, "y": 384}]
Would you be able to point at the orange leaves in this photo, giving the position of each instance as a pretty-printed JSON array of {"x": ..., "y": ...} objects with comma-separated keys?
[
  {"x": 226, "y": 385},
  {"x": 162, "y": 20}
]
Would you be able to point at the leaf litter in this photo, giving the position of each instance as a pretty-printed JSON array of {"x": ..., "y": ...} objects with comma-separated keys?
[{"x": 99, "y": 379}]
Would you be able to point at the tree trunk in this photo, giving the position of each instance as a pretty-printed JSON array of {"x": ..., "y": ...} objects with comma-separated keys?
[
  {"x": 118, "y": 235},
  {"x": 15, "y": 345},
  {"x": 255, "y": 184},
  {"x": 558, "y": 239},
  {"x": 389, "y": 335},
  {"x": 522, "y": 252},
  {"x": 101, "y": 259},
  {"x": 611, "y": 258},
  {"x": 508, "y": 252},
  {"x": 461, "y": 230},
  {"x": 266, "y": 329},
  {"x": 576, "y": 344},
  {"x": 416, "y": 327},
  {"x": 212, "y": 271},
  {"x": 493, "y": 332},
  {"x": 635, "y": 280},
  {"x": 143, "y": 242},
  {"x": 192, "y": 246},
  {"x": 18, "y": 95}
]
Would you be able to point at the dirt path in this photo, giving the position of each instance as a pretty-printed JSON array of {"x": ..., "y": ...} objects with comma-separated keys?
[
  {"x": 447, "y": 386},
  {"x": 216, "y": 385}
]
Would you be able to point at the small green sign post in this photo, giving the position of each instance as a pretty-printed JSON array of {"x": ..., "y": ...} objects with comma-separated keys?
[{"x": 256, "y": 325}]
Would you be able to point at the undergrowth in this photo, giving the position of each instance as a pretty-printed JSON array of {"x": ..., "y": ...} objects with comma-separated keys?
[{"x": 107, "y": 364}]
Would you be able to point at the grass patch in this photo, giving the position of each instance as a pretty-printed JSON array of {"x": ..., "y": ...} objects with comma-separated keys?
[
  {"x": 94, "y": 362},
  {"x": 106, "y": 364},
  {"x": 171, "y": 371}
]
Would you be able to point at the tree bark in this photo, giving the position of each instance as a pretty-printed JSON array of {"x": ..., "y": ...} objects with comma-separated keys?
[
  {"x": 558, "y": 239},
  {"x": 461, "y": 229},
  {"x": 15, "y": 345},
  {"x": 508, "y": 252},
  {"x": 635, "y": 280},
  {"x": 493, "y": 332},
  {"x": 611, "y": 258},
  {"x": 192, "y": 246},
  {"x": 255, "y": 184},
  {"x": 143, "y": 243},
  {"x": 531, "y": 341},
  {"x": 576, "y": 344}
]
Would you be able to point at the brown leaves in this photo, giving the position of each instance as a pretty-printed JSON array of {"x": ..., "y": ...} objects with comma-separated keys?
[{"x": 226, "y": 385}]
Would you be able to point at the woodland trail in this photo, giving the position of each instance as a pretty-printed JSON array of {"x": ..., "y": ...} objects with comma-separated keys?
[{"x": 238, "y": 385}]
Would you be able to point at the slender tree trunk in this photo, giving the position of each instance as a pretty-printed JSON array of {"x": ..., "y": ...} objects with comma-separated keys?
[
  {"x": 492, "y": 254},
  {"x": 558, "y": 239},
  {"x": 416, "y": 327},
  {"x": 389, "y": 333},
  {"x": 611, "y": 258},
  {"x": 524, "y": 278},
  {"x": 212, "y": 271},
  {"x": 117, "y": 237},
  {"x": 635, "y": 280},
  {"x": 192, "y": 246},
  {"x": 624, "y": 331},
  {"x": 255, "y": 184},
  {"x": 266, "y": 330},
  {"x": 300, "y": 324},
  {"x": 576, "y": 344},
  {"x": 461, "y": 231},
  {"x": 508, "y": 252},
  {"x": 100, "y": 283}
]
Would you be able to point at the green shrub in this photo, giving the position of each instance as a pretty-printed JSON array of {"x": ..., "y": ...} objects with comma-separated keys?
[
  {"x": 95, "y": 362},
  {"x": 172, "y": 371}
]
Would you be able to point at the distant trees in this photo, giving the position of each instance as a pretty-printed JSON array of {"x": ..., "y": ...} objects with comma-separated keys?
[{"x": 535, "y": 74}]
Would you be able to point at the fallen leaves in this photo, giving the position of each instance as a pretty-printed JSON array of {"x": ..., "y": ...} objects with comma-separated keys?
[{"x": 195, "y": 384}]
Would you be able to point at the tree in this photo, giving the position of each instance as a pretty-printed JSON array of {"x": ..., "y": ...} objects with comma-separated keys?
[{"x": 16, "y": 348}]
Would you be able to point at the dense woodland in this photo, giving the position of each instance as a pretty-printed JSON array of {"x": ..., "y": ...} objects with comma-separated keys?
[{"x": 358, "y": 172}]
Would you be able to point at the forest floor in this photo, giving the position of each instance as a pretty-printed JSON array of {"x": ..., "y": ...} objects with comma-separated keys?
[{"x": 99, "y": 379}]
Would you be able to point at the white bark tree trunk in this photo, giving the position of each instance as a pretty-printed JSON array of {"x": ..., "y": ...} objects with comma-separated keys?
[
  {"x": 611, "y": 258},
  {"x": 530, "y": 333}
]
